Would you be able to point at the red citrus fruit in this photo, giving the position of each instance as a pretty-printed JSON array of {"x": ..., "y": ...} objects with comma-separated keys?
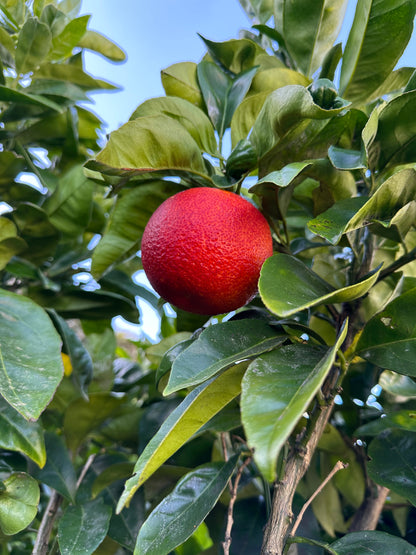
[{"x": 203, "y": 248}]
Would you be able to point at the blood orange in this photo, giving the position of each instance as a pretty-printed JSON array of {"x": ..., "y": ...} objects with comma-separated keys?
[{"x": 203, "y": 248}]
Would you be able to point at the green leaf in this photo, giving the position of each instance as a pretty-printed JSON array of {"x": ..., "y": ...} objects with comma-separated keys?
[
  {"x": 287, "y": 286},
  {"x": 235, "y": 55},
  {"x": 219, "y": 347},
  {"x": 389, "y": 338},
  {"x": 18, "y": 503},
  {"x": 125, "y": 526},
  {"x": 345, "y": 159},
  {"x": 77, "y": 523},
  {"x": 69, "y": 207},
  {"x": 127, "y": 222},
  {"x": 97, "y": 42},
  {"x": 221, "y": 93},
  {"x": 81, "y": 362},
  {"x": 181, "y": 80},
  {"x": 90, "y": 415},
  {"x": 69, "y": 38},
  {"x": 368, "y": 59},
  {"x": 190, "y": 116},
  {"x": 70, "y": 73},
  {"x": 402, "y": 419},
  {"x": 183, "y": 422},
  {"x": 362, "y": 543},
  {"x": 259, "y": 10},
  {"x": 58, "y": 472},
  {"x": 164, "y": 144},
  {"x": 11, "y": 95},
  {"x": 276, "y": 390},
  {"x": 17, "y": 434},
  {"x": 10, "y": 243},
  {"x": 31, "y": 365},
  {"x": 34, "y": 43},
  {"x": 393, "y": 137},
  {"x": 309, "y": 29},
  {"x": 175, "y": 519},
  {"x": 287, "y": 109},
  {"x": 393, "y": 462},
  {"x": 397, "y": 384},
  {"x": 280, "y": 178}
]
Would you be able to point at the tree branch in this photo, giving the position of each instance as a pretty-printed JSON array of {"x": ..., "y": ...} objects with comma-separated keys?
[
  {"x": 367, "y": 516},
  {"x": 46, "y": 525}
]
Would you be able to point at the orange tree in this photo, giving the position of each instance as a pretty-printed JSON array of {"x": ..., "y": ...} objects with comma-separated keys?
[{"x": 288, "y": 421}]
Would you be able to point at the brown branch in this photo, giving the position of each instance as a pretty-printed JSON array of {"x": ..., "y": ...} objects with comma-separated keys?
[
  {"x": 230, "y": 520},
  {"x": 46, "y": 525},
  {"x": 367, "y": 516}
]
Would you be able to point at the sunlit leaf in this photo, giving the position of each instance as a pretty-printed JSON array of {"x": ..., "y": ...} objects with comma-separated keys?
[
  {"x": 175, "y": 519},
  {"x": 287, "y": 286},
  {"x": 276, "y": 390},
  {"x": 34, "y": 42},
  {"x": 181, "y": 80},
  {"x": 195, "y": 410},
  {"x": 97, "y": 42},
  {"x": 220, "y": 347}
]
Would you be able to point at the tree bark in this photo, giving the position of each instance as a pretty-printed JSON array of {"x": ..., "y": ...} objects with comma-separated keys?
[{"x": 369, "y": 513}]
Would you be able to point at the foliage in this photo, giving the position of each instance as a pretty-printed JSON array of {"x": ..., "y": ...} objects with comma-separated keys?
[{"x": 107, "y": 443}]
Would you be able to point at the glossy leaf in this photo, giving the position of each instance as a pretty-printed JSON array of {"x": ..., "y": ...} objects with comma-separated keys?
[
  {"x": 235, "y": 55},
  {"x": 195, "y": 410},
  {"x": 31, "y": 365},
  {"x": 164, "y": 145},
  {"x": 280, "y": 178},
  {"x": 393, "y": 132},
  {"x": 309, "y": 30},
  {"x": 58, "y": 472},
  {"x": 362, "y": 543},
  {"x": 18, "y": 502},
  {"x": 222, "y": 94},
  {"x": 287, "y": 286},
  {"x": 402, "y": 419},
  {"x": 345, "y": 159},
  {"x": 175, "y": 519},
  {"x": 219, "y": 347},
  {"x": 124, "y": 527},
  {"x": 367, "y": 61},
  {"x": 128, "y": 220},
  {"x": 192, "y": 118},
  {"x": 284, "y": 109},
  {"x": 276, "y": 390},
  {"x": 260, "y": 10},
  {"x": 34, "y": 42},
  {"x": 393, "y": 462},
  {"x": 181, "y": 80},
  {"x": 17, "y": 434},
  {"x": 389, "y": 338},
  {"x": 91, "y": 40},
  {"x": 77, "y": 523},
  {"x": 397, "y": 384}
]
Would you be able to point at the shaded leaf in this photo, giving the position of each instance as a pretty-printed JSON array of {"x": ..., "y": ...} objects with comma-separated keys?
[
  {"x": 287, "y": 286},
  {"x": 77, "y": 523},
  {"x": 58, "y": 472},
  {"x": 17, "y": 434},
  {"x": 393, "y": 462},
  {"x": 10, "y": 243},
  {"x": 31, "y": 365},
  {"x": 235, "y": 55},
  {"x": 18, "y": 502},
  {"x": 402, "y": 419},
  {"x": 127, "y": 222},
  {"x": 276, "y": 390},
  {"x": 219, "y": 347},
  {"x": 10, "y": 95},
  {"x": 124, "y": 527},
  {"x": 362, "y": 543},
  {"x": 175, "y": 519},
  {"x": 195, "y": 410},
  {"x": 181, "y": 80},
  {"x": 397, "y": 384},
  {"x": 389, "y": 338}
]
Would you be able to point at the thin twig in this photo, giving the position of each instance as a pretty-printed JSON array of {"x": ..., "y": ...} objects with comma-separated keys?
[
  {"x": 339, "y": 466},
  {"x": 85, "y": 469},
  {"x": 230, "y": 520}
]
